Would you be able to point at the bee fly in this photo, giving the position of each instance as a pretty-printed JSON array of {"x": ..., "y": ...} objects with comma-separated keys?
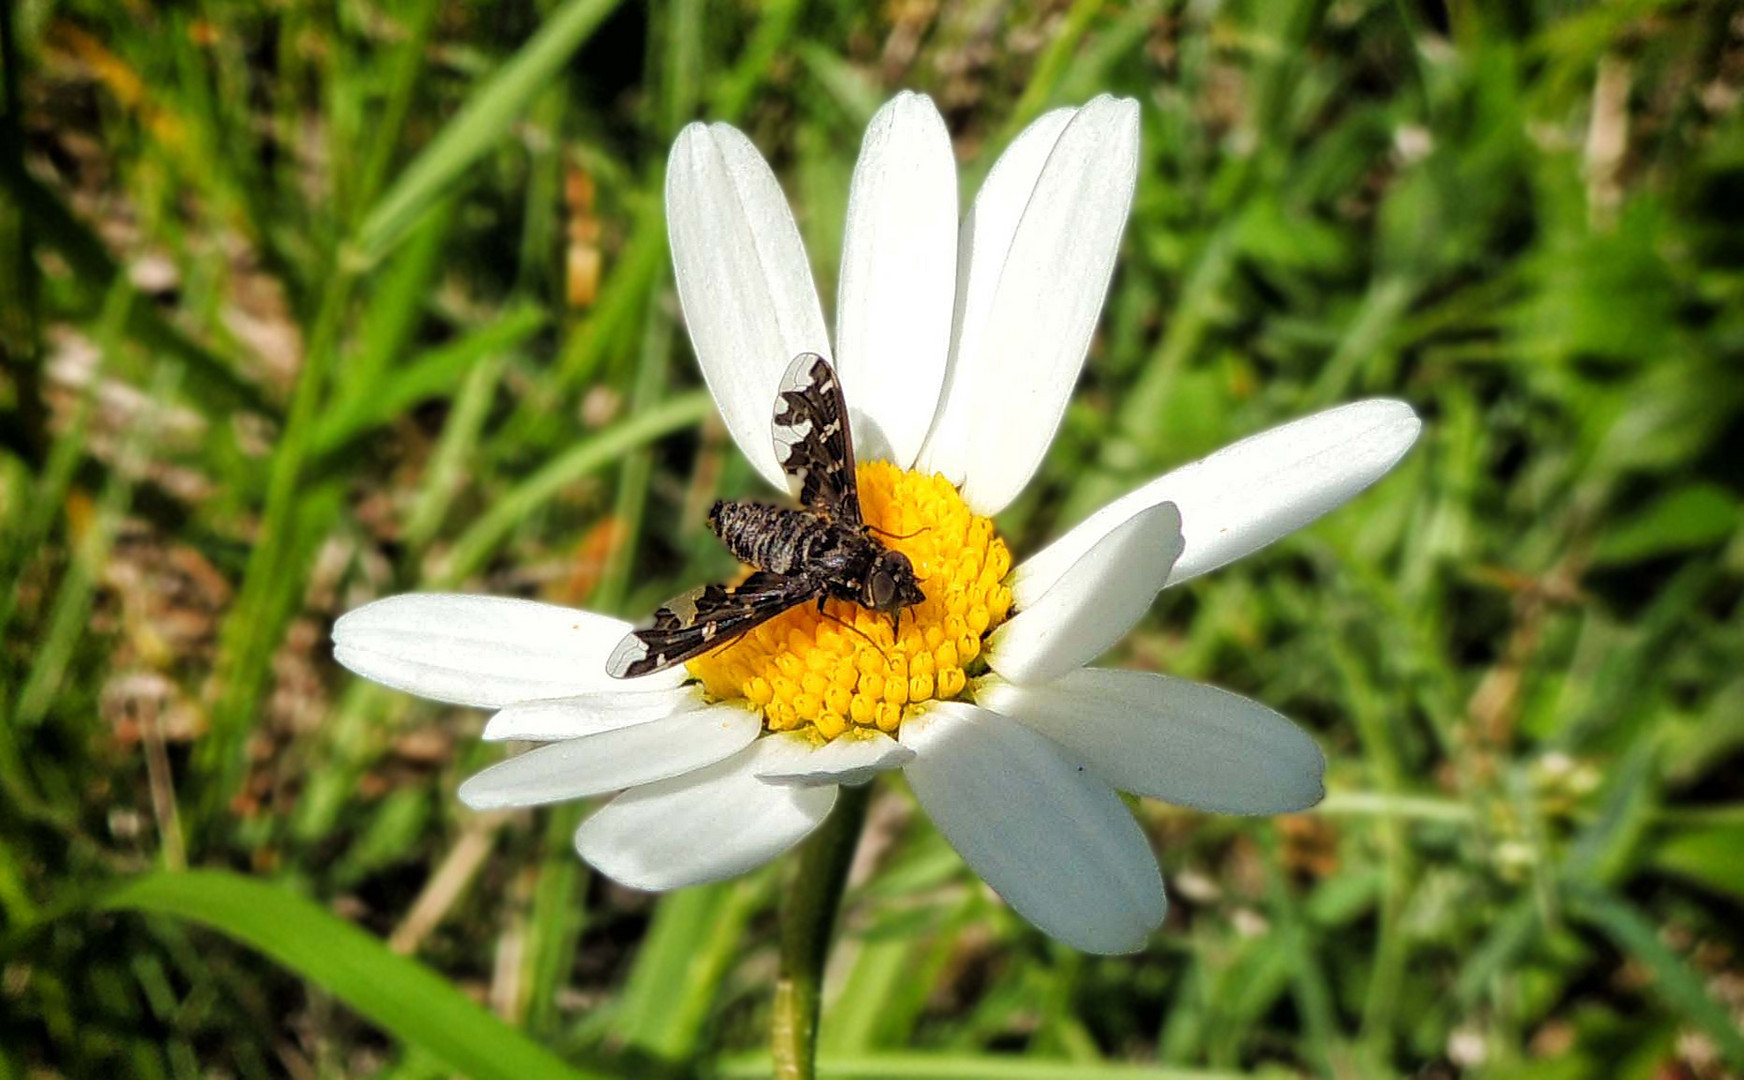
[{"x": 822, "y": 551}]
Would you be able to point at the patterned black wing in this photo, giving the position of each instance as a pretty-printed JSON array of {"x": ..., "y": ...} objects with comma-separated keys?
[
  {"x": 812, "y": 441},
  {"x": 706, "y": 618}
]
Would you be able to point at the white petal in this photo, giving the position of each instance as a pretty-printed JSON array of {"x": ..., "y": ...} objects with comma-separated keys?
[
  {"x": 1093, "y": 604},
  {"x": 899, "y": 258},
  {"x": 712, "y": 824},
  {"x": 1017, "y": 355},
  {"x": 743, "y": 280},
  {"x": 589, "y": 714},
  {"x": 482, "y": 650},
  {"x": 610, "y": 760},
  {"x": 1051, "y": 838},
  {"x": 983, "y": 245},
  {"x": 854, "y": 758},
  {"x": 1171, "y": 739},
  {"x": 1243, "y": 497}
]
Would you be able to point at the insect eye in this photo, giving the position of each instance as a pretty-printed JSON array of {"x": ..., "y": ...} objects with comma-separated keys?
[{"x": 883, "y": 589}]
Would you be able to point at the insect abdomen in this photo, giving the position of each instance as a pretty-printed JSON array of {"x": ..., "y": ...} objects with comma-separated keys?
[{"x": 771, "y": 538}]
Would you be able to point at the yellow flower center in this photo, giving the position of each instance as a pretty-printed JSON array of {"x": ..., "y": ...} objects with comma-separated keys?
[{"x": 846, "y": 670}]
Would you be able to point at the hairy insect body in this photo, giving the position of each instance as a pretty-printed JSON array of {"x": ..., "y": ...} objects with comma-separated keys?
[
  {"x": 820, "y": 551},
  {"x": 785, "y": 541}
]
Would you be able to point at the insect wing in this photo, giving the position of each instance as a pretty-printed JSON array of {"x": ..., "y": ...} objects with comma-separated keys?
[
  {"x": 706, "y": 618},
  {"x": 812, "y": 440}
]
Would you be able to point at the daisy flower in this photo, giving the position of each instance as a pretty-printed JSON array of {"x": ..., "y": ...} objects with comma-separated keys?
[{"x": 957, "y": 345}]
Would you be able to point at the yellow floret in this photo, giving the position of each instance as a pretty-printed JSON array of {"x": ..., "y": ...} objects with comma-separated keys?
[{"x": 845, "y": 670}]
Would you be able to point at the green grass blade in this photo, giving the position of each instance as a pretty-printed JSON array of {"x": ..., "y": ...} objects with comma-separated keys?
[
  {"x": 1052, "y": 66},
  {"x": 735, "y": 87},
  {"x": 272, "y": 580},
  {"x": 403, "y": 997},
  {"x": 486, "y": 118},
  {"x": 208, "y": 379},
  {"x": 678, "y": 975},
  {"x": 882, "y": 969},
  {"x": 71, "y": 613},
  {"x": 398, "y": 303},
  {"x": 438, "y": 373},
  {"x": 977, "y": 1067},
  {"x": 845, "y": 84},
  {"x": 479, "y": 542},
  {"x": 454, "y": 454},
  {"x": 1676, "y": 983},
  {"x": 408, "y": 69},
  {"x": 1708, "y": 856},
  {"x": 556, "y": 921}
]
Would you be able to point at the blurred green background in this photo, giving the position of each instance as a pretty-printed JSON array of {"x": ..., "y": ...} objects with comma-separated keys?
[{"x": 313, "y": 301}]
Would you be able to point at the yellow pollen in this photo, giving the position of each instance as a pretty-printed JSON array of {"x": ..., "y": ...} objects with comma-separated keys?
[{"x": 845, "y": 670}]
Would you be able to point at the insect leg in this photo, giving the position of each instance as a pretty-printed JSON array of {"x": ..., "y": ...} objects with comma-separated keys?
[
  {"x": 898, "y": 536},
  {"x": 846, "y": 625}
]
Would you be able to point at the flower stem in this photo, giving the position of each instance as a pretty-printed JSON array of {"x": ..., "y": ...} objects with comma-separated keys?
[{"x": 807, "y": 922}]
